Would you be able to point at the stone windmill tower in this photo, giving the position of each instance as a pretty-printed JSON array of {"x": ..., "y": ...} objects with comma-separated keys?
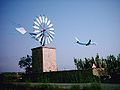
[{"x": 43, "y": 59}]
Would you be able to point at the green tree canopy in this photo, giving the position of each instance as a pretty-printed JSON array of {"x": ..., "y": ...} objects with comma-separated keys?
[
  {"x": 26, "y": 62},
  {"x": 111, "y": 63}
]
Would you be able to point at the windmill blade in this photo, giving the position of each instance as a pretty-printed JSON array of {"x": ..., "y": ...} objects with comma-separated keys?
[
  {"x": 35, "y": 27},
  {"x": 43, "y": 18},
  {"x": 43, "y": 41},
  {"x": 36, "y": 23},
  {"x": 40, "y": 37},
  {"x": 40, "y": 18},
  {"x": 52, "y": 29},
  {"x": 48, "y": 40},
  {"x": 36, "y": 31},
  {"x": 46, "y": 19},
  {"x": 21, "y": 30},
  {"x": 48, "y": 22},
  {"x": 37, "y": 20},
  {"x": 50, "y": 25},
  {"x": 50, "y": 35},
  {"x": 51, "y": 32}
]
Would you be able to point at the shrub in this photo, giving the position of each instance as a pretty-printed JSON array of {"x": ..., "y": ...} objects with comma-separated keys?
[{"x": 95, "y": 86}]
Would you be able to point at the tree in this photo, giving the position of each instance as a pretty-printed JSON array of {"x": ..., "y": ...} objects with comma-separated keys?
[
  {"x": 98, "y": 61},
  {"x": 87, "y": 64},
  {"x": 118, "y": 63},
  {"x": 111, "y": 63},
  {"x": 79, "y": 64},
  {"x": 26, "y": 62},
  {"x": 118, "y": 57},
  {"x": 92, "y": 60},
  {"x": 103, "y": 63}
]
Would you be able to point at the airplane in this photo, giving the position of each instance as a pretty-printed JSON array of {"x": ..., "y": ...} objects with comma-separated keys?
[{"x": 86, "y": 44}]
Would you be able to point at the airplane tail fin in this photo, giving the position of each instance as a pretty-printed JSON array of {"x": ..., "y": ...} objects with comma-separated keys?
[{"x": 93, "y": 43}]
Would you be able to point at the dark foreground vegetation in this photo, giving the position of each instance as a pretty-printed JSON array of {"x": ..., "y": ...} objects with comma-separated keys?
[
  {"x": 53, "y": 86},
  {"x": 81, "y": 79},
  {"x": 72, "y": 76}
]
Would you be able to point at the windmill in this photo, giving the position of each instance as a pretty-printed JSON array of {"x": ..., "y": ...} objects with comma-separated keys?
[{"x": 43, "y": 30}]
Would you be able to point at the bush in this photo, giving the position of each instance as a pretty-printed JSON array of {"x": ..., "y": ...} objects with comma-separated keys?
[
  {"x": 95, "y": 86},
  {"x": 28, "y": 86},
  {"x": 10, "y": 77},
  {"x": 75, "y": 87}
]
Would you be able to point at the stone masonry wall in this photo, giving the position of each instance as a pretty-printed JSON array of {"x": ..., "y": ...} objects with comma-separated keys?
[
  {"x": 49, "y": 59},
  {"x": 43, "y": 59}
]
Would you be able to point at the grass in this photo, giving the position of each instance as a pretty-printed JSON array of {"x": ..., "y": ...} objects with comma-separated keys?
[
  {"x": 60, "y": 86},
  {"x": 110, "y": 86}
]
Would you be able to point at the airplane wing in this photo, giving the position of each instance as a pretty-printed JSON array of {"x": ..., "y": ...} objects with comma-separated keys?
[
  {"x": 88, "y": 43},
  {"x": 81, "y": 43},
  {"x": 77, "y": 41}
]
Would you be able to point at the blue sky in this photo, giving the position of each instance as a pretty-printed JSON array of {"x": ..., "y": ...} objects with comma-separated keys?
[{"x": 98, "y": 20}]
